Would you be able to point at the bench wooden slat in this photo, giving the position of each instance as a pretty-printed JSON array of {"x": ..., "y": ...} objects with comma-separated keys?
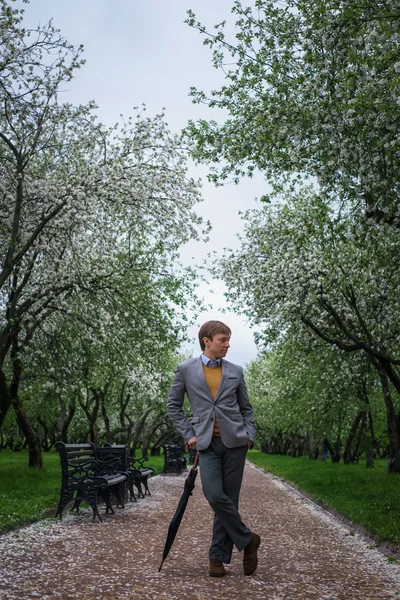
[{"x": 72, "y": 454}]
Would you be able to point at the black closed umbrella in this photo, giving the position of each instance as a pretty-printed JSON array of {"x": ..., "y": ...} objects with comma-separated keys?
[{"x": 177, "y": 518}]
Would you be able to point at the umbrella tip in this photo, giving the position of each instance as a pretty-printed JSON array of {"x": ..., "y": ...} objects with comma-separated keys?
[{"x": 160, "y": 567}]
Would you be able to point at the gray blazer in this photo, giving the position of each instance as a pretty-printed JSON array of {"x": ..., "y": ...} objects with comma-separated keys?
[{"x": 231, "y": 405}]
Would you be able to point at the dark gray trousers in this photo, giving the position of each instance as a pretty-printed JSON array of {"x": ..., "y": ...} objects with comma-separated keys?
[{"x": 221, "y": 471}]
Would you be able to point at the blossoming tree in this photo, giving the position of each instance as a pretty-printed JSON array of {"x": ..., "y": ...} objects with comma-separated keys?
[
  {"x": 76, "y": 197},
  {"x": 312, "y": 92}
]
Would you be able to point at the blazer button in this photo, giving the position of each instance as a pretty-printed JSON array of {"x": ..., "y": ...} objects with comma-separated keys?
[{"x": 212, "y": 419}]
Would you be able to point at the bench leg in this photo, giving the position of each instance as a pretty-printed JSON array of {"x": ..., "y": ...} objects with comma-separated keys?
[
  {"x": 146, "y": 485},
  {"x": 60, "y": 509},
  {"x": 132, "y": 497},
  {"x": 118, "y": 495},
  {"x": 65, "y": 498},
  {"x": 94, "y": 506},
  {"x": 76, "y": 505},
  {"x": 138, "y": 484},
  {"x": 106, "y": 496},
  {"x": 91, "y": 499}
]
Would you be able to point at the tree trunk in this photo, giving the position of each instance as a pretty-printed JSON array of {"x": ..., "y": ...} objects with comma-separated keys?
[
  {"x": 333, "y": 453},
  {"x": 65, "y": 419},
  {"x": 94, "y": 431},
  {"x": 312, "y": 448},
  {"x": 150, "y": 434},
  {"x": 360, "y": 435},
  {"x": 347, "y": 455},
  {"x": 391, "y": 373},
  {"x": 123, "y": 403},
  {"x": 32, "y": 437},
  {"x": 321, "y": 450},
  {"x": 106, "y": 420},
  {"x": 91, "y": 409},
  {"x": 156, "y": 448},
  {"x": 5, "y": 398},
  {"x": 365, "y": 397},
  {"x": 393, "y": 423},
  {"x": 374, "y": 441},
  {"x": 137, "y": 430},
  {"x": 293, "y": 445},
  {"x": 49, "y": 437},
  {"x": 337, "y": 453}
]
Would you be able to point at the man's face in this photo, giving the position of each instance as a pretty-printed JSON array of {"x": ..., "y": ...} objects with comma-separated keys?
[{"x": 218, "y": 346}]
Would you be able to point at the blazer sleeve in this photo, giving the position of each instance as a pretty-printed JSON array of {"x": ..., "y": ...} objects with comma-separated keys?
[
  {"x": 245, "y": 408},
  {"x": 175, "y": 410}
]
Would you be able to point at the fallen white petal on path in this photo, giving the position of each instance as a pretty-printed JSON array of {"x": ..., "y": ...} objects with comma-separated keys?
[{"x": 305, "y": 554}]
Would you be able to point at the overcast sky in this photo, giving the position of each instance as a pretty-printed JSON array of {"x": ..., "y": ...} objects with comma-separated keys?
[{"x": 141, "y": 51}]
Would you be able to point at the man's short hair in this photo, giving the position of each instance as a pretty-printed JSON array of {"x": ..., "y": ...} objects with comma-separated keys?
[{"x": 210, "y": 329}]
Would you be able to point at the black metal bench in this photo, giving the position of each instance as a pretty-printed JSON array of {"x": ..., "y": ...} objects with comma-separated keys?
[
  {"x": 174, "y": 459},
  {"x": 85, "y": 477},
  {"x": 121, "y": 453},
  {"x": 137, "y": 464},
  {"x": 138, "y": 474}
]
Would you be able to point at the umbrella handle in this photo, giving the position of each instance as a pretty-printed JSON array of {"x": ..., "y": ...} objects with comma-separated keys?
[
  {"x": 196, "y": 460},
  {"x": 197, "y": 457}
]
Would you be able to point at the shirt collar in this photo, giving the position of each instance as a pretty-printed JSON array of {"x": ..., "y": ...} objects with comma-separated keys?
[{"x": 205, "y": 360}]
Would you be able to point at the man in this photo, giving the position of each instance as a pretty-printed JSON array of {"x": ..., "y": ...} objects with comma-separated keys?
[{"x": 222, "y": 428}]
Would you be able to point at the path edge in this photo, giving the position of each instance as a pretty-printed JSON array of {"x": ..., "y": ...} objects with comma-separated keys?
[{"x": 387, "y": 548}]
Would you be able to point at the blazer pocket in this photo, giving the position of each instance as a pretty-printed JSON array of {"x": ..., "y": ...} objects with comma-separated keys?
[
  {"x": 232, "y": 377},
  {"x": 195, "y": 420},
  {"x": 237, "y": 418}
]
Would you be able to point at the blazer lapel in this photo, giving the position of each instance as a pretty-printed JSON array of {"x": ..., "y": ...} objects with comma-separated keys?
[
  {"x": 198, "y": 366},
  {"x": 224, "y": 379}
]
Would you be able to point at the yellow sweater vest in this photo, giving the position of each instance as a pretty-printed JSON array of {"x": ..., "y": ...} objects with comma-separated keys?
[{"x": 213, "y": 377}]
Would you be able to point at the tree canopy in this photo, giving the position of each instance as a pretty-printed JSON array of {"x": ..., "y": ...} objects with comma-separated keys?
[
  {"x": 312, "y": 88},
  {"x": 91, "y": 220},
  {"x": 311, "y": 95}
]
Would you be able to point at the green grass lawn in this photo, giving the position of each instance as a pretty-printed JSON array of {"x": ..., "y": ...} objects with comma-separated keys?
[
  {"x": 369, "y": 497},
  {"x": 25, "y": 493}
]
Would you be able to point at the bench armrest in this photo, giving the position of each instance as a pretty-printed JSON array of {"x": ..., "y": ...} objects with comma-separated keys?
[{"x": 139, "y": 461}]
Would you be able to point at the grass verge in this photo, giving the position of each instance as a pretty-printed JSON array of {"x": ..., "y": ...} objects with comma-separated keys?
[
  {"x": 25, "y": 493},
  {"x": 368, "y": 497}
]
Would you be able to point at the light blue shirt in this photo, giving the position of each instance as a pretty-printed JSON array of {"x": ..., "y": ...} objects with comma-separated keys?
[{"x": 207, "y": 362}]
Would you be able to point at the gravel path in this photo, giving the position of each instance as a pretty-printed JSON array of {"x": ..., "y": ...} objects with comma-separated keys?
[{"x": 305, "y": 553}]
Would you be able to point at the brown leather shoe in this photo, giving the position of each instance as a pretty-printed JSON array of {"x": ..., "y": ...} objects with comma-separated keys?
[
  {"x": 217, "y": 569},
  {"x": 250, "y": 559}
]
